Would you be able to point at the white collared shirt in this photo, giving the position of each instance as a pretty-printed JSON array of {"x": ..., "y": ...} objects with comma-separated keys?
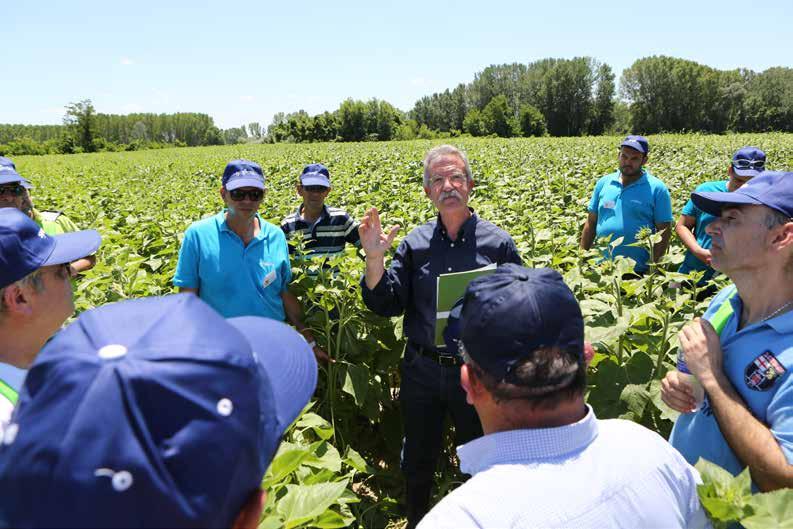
[{"x": 589, "y": 474}]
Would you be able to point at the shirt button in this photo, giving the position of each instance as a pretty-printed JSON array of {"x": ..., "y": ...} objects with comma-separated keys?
[
  {"x": 452, "y": 245},
  {"x": 450, "y": 269},
  {"x": 463, "y": 239}
]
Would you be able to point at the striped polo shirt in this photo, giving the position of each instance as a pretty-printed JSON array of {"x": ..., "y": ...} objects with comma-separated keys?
[{"x": 325, "y": 237}]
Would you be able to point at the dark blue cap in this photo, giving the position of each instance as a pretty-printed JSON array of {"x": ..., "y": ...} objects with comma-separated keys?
[
  {"x": 315, "y": 174},
  {"x": 509, "y": 314},
  {"x": 773, "y": 189},
  {"x": 754, "y": 156},
  {"x": 9, "y": 174},
  {"x": 24, "y": 247},
  {"x": 638, "y": 143},
  {"x": 242, "y": 173},
  {"x": 154, "y": 412}
]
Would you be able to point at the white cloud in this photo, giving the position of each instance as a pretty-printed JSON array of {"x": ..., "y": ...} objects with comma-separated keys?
[
  {"x": 247, "y": 99},
  {"x": 126, "y": 61}
]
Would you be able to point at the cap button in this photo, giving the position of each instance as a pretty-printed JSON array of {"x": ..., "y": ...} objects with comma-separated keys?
[{"x": 523, "y": 277}]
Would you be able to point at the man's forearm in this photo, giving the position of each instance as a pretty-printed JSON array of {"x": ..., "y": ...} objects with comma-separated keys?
[
  {"x": 751, "y": 440},
  {"x": 660, "y": 249},
  {"x": 293, "y": 310},
  {"x": 375, "y": 268},
  {"x": 587, "y": 236},
  {"x": 687, "y": 238},
  {"x": 82, "y": 265}
]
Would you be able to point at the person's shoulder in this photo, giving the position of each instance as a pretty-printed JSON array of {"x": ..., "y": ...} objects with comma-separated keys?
[
  {"x": 456, "y": 510},
  {"x": 654, "y": 181},
  {"x": 624, "y": 437},
  {"x": 610, "y": 177},
  {"x": 422, "y": 232},
  {"x": 290, "y": 219},
  {"x": 487, "y": 227},
  {"x": 203, "y": 226},
  {"x": 715, "y": 185},
  {"x": 337, "y": 212}
]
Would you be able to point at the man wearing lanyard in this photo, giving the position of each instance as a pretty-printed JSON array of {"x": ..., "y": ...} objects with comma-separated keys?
[{"x": 456, "y": 240}]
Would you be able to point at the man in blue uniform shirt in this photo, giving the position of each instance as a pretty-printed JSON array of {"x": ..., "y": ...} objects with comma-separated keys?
[
  {"x": 741, "y": 352},
  {"x": 237, "y": 262},
  {"x": 456, "y": 241},
  {"x": 626, "y": 201},
  {"x": 691, "y": 227}
]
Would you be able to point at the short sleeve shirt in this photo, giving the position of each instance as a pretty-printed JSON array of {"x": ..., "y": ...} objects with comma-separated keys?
[
  {"x": 690, "y": 262},
  {"x": 623, "y": 210},
  {"x": 53, "y": 222},
  {"x": 758, "y": 361},
  {"x": 236, "y": 280}
]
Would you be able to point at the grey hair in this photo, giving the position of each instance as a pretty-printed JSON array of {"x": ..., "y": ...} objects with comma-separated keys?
[
  {"x": 445, "y": 150},
  {"x": 774, "y": 218},
  {"x": 33, "y": 280}
]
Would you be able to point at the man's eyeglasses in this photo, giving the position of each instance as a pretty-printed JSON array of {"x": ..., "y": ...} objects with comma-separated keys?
[
  {"x": 253, "y": 194},
  {"x": 748, "y": 164},
  {"x": 314, "y": 189},
  {"x": 15, "y": 190}
]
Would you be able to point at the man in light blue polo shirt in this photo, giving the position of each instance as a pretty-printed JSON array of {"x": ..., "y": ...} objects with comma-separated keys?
[
  {"x": 627, "y": 200},
  {"x": 742, "y": 351},
  {"x": 747, "y": 163},
  {"x": 237, "y": 262}
]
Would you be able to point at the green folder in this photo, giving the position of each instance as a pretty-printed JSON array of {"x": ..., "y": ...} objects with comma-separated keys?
[{"x": 450, "y": 289}]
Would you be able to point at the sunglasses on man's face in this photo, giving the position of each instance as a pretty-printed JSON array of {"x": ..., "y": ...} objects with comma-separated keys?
[
  {"x": 15, "y": 190},
  {"x": 748, "y": 164},
  {"x": 240, "y": 194},
  {"x": 315, "y": 189}
]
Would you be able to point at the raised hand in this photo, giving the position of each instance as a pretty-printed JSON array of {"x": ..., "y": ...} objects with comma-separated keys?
[{"x": 374, "y": 241}]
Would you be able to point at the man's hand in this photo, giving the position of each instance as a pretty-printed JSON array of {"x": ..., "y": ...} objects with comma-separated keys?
[
  {"x": 676, "y": 392},
  {"x": 319, "y": 353},
  {"x": 703, "y": 255},
  {"x": 702, "y": 350},
  {"x": 374, "y": 241}
]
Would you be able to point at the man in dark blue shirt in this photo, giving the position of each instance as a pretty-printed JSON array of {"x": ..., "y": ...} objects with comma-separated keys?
[{"x": 456, "y": 241}]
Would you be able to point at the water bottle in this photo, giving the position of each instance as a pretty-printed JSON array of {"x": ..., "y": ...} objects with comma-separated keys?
[{"x": 696, "y": 387}]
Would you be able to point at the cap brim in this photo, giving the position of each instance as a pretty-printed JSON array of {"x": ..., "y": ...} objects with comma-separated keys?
[
  {"x": 244, "y": 182},
  {"x": 72, "y": 246},
  {"x": 636, "y": 146},
  {"x": 713, "y": 202},
  {"x": 286, "y": 359},
  {"x": 10, "y": 179},
  {"x": 746, "y": 173},
  {"x": 314, "y": 181}
]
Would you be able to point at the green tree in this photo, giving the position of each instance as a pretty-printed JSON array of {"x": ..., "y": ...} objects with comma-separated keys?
[
  {"x": 531, "y": 121},
  {"x": 80, "y": 118},
  {"x": 498, "y": 118},
  {"x": 473, "y": 124},
  {"x": 603, "y": 106}
]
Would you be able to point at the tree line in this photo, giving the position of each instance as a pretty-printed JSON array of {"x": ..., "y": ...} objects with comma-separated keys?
[{"x": 557, "y": 97}]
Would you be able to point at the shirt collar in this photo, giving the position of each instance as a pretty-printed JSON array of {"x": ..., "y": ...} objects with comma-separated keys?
[
  {"x": 299, "y": 213},
  {"x": 467, "y": 226},
  {"x": 642, "y": 179},
  {"x": 521, "y": 446},
  {"x": 223, "y": 226}
]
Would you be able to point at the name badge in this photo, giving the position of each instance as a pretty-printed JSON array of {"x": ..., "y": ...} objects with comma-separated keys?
[
  {"x": 609, "y": 204},
  {"x": 269, "y": 278}
]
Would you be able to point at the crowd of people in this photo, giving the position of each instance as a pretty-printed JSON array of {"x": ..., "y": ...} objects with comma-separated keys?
[{"x": 167, "y": 411}]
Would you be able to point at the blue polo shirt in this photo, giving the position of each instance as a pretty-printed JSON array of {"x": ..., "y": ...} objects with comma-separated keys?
[
  {"x": 236, "y": 280},
  {"x": 758, "y": 361},
  {"x": 623, "y": 210},
  {"x": 690, "y": 262}
]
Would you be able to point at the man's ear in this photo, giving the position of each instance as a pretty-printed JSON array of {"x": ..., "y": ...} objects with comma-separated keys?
[
  {"x": 17, "y": 300},
  {"x": 784, "y": 239},
  {"x": 471, "y": 384}
]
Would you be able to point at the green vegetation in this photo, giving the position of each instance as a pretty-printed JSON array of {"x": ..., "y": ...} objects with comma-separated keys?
[{"x": 341, "y": 463}]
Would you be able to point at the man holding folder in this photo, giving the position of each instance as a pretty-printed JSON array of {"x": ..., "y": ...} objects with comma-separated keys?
[{"x": 457, "y": 240}]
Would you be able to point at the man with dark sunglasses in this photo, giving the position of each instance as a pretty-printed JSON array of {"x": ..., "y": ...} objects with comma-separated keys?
[
  {"x": 14, "y": 193},
  {"x": 325, "y": 230},
  {"x": 237, "y": 262},
  {"x": 747, "y": 163}
]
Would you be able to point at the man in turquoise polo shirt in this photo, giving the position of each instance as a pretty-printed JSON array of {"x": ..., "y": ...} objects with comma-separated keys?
[
  {"x": 626, "y": 201},
  {"x": 741, "y": 352},
  {"x": 237, "y": 262},
  {"x": 747, "y": 163}
]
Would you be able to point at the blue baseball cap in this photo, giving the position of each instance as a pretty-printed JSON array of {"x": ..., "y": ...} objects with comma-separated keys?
[
  {"x": 153, "y": 412},
  {"x": 24, "y": 247},
  {"x": 773, "y": 189},
  {"x": 748, "y": 162},
  {"x": 638, "y": 143},
  {"x": 315, "y": 174},
  {"x": 509, "y": 314},
  {"x": 9, "y": 174},
  {"x": 242, "y": 173}
]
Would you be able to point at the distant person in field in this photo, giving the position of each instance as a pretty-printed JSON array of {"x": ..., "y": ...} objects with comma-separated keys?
[
  {"x": 237, "y": 262},
  {"x": 692, "y": 225},
  {"x": 14, "y": 193},
  {"x": 456, "y": 240},
  {"x": 153, "y": 413},
  {"x": 741, "y": 351},
  {"x": 325, "y": 231},
  {"x": 546, "y": 460},
  {"x": 35, "y": 294},
  {"x": 626, "y": 201}
]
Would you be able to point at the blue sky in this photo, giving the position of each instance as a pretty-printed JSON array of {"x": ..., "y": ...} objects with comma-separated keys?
[{"x": 242, "y": 61}]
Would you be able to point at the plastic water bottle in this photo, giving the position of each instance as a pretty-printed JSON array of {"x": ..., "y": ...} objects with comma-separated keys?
[{"x": 696, "y": 387}]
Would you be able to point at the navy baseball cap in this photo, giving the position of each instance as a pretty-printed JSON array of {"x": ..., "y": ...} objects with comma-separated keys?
[
  {"x": 153, "y": 412},
  {"x": 9, "y": 174},
  {"x": 24, "y": 247},
  {"x": 315, "y": 174},
  {"x": 638, "y": 143},
  {"x": 242, "y": 173},
  {"x": 748, "y": 162},
  {"x": 773, "y": 189},
  {"x": 509, "y": 314}
]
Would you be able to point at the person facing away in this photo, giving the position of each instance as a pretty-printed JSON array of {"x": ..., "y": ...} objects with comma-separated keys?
[
  {"x": 626, "y": 201},
  {"x": 35, "y": 294},
  {"x": 325, "y": 230},
  {"x": 545, "y": 459},
  {"x": 456, "y": 240},
  {"x": 691, "y": 226},
  {"x": 15, "y": 193},
  {"x": 741, "y": 351},
  {"x": 153, "y": 412},
  {"x": 236, "y": 261}
]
